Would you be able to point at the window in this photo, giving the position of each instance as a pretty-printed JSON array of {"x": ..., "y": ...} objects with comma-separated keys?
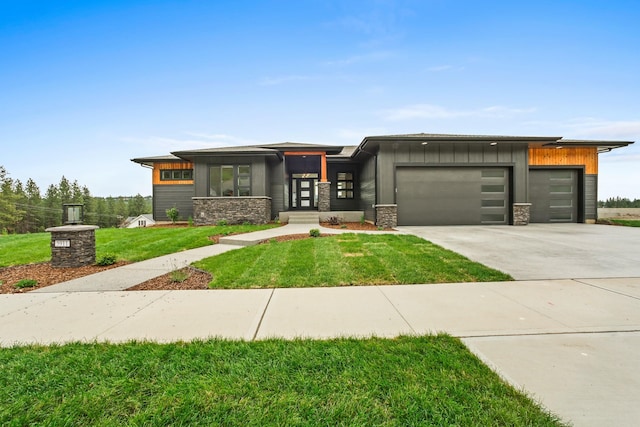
[
  {"x": 345, "y": 185},
  {"x": 230, "y": 180},
  {"x": 176, "y": 174}
]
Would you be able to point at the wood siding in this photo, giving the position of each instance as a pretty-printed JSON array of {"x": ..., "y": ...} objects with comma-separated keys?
[
  {"x": 157, "y": 167},
  {"x": 566, "y": 156}
]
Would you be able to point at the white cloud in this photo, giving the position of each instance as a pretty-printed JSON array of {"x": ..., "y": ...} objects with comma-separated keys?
[
  {"x": 602, "y": 129},
  {"x": 430, "y": 111}
]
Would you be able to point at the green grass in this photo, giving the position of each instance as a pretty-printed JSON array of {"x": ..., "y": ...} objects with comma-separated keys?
[
  {"x": 347, "y": 259},
  {"x": 135, "y": 244},
  {"x": 626, "y": 222},
  {"x": 407, "y": 381}
]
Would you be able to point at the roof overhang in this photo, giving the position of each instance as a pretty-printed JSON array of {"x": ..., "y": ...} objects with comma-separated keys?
[
  {"x": 149, "y": 161},
  {"x": 602, "y": 146}
]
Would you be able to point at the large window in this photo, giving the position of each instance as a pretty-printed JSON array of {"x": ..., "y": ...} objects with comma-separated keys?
[
  {"x": 230, "y": 180},
  {"x": 345, "y": 185},
  {"x": 176, "y": 174}
]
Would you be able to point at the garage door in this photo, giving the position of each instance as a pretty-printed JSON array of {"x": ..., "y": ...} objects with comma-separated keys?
[
  {"x": 554, "y": 195},
  {"x": 452, "y": 196}
]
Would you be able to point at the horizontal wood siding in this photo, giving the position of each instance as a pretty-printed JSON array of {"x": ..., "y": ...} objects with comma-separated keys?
[
  {"x": 157, "y": 167},
  {"x": 591, "y": 197},
  {"x": 167, "y": 196},
  {"x": 566, "y": 156}
]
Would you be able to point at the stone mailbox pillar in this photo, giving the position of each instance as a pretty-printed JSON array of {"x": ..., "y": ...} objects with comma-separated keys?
[{"x": 73, "y": 245}]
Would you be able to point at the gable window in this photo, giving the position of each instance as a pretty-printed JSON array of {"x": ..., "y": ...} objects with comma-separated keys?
[
  {"x": 345, "y": 185},
  {"x": 230, "y": 180},
  {"x": 176, "y": 174}
]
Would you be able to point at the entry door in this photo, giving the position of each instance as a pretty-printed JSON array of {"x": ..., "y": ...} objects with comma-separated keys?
[{"x": 303, "y": 193}]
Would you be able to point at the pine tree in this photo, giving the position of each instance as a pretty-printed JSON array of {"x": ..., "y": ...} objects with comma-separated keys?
[
  {"x": 10, "y": 215},
  {"x": 137, "y": 205},
  {"x": 53, "y": 207},
  {"x": 35, "y": 211}
]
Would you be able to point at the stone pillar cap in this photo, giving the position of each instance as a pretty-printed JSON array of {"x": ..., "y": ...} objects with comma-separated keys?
[{"x": 73, "y": 228}]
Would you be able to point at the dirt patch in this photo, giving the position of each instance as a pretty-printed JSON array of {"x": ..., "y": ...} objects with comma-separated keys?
[
  {"x": 45, "y": 275},
  {"x": 195, "y": 279}
]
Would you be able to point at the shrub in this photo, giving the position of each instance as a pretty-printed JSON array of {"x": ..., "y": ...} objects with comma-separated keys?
[
  {"x": 333, "y": 220},
  {"x": 190, "y": 221},
  {"x": 179, "y": 276},
  {"x": 173, "y": 214},
  {"x": 106, "y": 259},
  {"x": 246, "y": 223},
  {"x": 314, "y": 232},
  {"x": 26, "y": 283},
  {"x": 222, "y": 223},
  {"x": 362, "y": 219}
]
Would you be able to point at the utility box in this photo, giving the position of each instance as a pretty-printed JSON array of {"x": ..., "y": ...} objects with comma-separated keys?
[{"x": 73, "y": 245}]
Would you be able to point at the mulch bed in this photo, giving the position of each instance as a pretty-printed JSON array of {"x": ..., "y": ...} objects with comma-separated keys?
[{"x": 46, "y": 275}]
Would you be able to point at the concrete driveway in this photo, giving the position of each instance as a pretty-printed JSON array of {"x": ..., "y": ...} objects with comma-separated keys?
[
  {"x": 588, "y": 377},
  {"x": 544, "y": 251}
]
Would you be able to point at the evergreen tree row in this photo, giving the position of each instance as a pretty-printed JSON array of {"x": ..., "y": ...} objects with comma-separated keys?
[
  {"x": 24, "y": 209},
  {"x": 619, "y": 202}
]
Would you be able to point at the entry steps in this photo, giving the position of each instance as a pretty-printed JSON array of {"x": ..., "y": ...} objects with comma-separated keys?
[{"x": 304, "y": 218}]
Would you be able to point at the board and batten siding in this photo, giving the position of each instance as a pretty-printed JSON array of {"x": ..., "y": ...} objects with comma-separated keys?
[
  {"x": 258, "y": 173},
  {"x": 157, "y": 167},
  {"x": 565, "y": 156},
  {"x": 367, "y": 188},
  {"x": 509, "y": 155}
]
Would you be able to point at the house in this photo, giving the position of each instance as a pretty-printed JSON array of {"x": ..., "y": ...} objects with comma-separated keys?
[
  {"x": 144, "y": 220},
  {"x": 416, "y": 179}
]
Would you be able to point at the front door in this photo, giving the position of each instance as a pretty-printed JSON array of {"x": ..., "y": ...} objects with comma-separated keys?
[{"x": 303, "y": 193}]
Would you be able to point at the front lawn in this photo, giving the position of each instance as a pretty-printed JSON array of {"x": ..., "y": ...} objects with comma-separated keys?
[
  {"x": 346, "y": 259},
  {"x": 129, "y": 244},
  {"x": 392, "y": 382},
  {"x": 625, "y": 222}
]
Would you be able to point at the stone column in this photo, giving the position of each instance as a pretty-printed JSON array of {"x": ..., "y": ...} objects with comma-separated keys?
[
  {"x": 521, "y": 213},
  {"x": 73, "y": 245},
  {"x": 324, "y": 197},
  {"x": 387, "y": 216}
]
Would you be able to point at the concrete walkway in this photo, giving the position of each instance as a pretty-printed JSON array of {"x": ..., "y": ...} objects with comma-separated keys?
[{"x": 573, "y": 344}]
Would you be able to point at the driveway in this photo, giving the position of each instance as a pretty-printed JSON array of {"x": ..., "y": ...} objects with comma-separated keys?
[{"x": 544, "y": 251}]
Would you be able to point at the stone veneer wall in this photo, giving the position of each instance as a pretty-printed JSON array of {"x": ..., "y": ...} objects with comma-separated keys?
[
  {"x": 73, "y": 245},
  {"x": 387, "y": 216},
  {"x": 324, "y": 196},
  {"x": 234, "y": 210},
  {"x": 521, "y": 213}
]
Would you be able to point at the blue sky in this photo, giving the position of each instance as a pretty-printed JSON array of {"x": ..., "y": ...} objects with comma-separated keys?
[{"x": 87, "y": 85}]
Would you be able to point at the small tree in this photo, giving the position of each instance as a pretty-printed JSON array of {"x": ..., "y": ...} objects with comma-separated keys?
[{"x": 173, "y": 214}]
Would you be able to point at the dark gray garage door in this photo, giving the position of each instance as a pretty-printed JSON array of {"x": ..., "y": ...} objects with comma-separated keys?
[
  {"x": 452, "y": 196},
  {"x": 554, "y": 195}
]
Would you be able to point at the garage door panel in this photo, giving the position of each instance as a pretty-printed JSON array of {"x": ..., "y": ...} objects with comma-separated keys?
[
  {"x": 554, "y": 195},
  {"x": 452, "y": 196}
]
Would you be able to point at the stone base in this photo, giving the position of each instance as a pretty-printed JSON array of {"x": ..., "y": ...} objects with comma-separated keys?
[
  {"x": 387, "y": 216},
  {"x": 521, "y": 213},
  {"x": 324, "y": 196},
  {"x": 233, "y": 210},
  {"x": 73, "y": 245}
]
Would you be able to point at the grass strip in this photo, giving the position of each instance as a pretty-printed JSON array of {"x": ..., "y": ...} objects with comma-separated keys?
[
  {"x": 342, "y": 260},
  {"x": 430, "y": 380}
]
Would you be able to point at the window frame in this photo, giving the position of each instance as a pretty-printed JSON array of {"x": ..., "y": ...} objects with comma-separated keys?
[
  {"x": 185, "y": 174},
  {"x": 237, "y": 177},
  {"x": 345, "y": 188}
]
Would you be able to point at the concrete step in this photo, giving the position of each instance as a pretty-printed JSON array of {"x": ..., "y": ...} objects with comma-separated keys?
[{"x": 304, "y": 218}]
